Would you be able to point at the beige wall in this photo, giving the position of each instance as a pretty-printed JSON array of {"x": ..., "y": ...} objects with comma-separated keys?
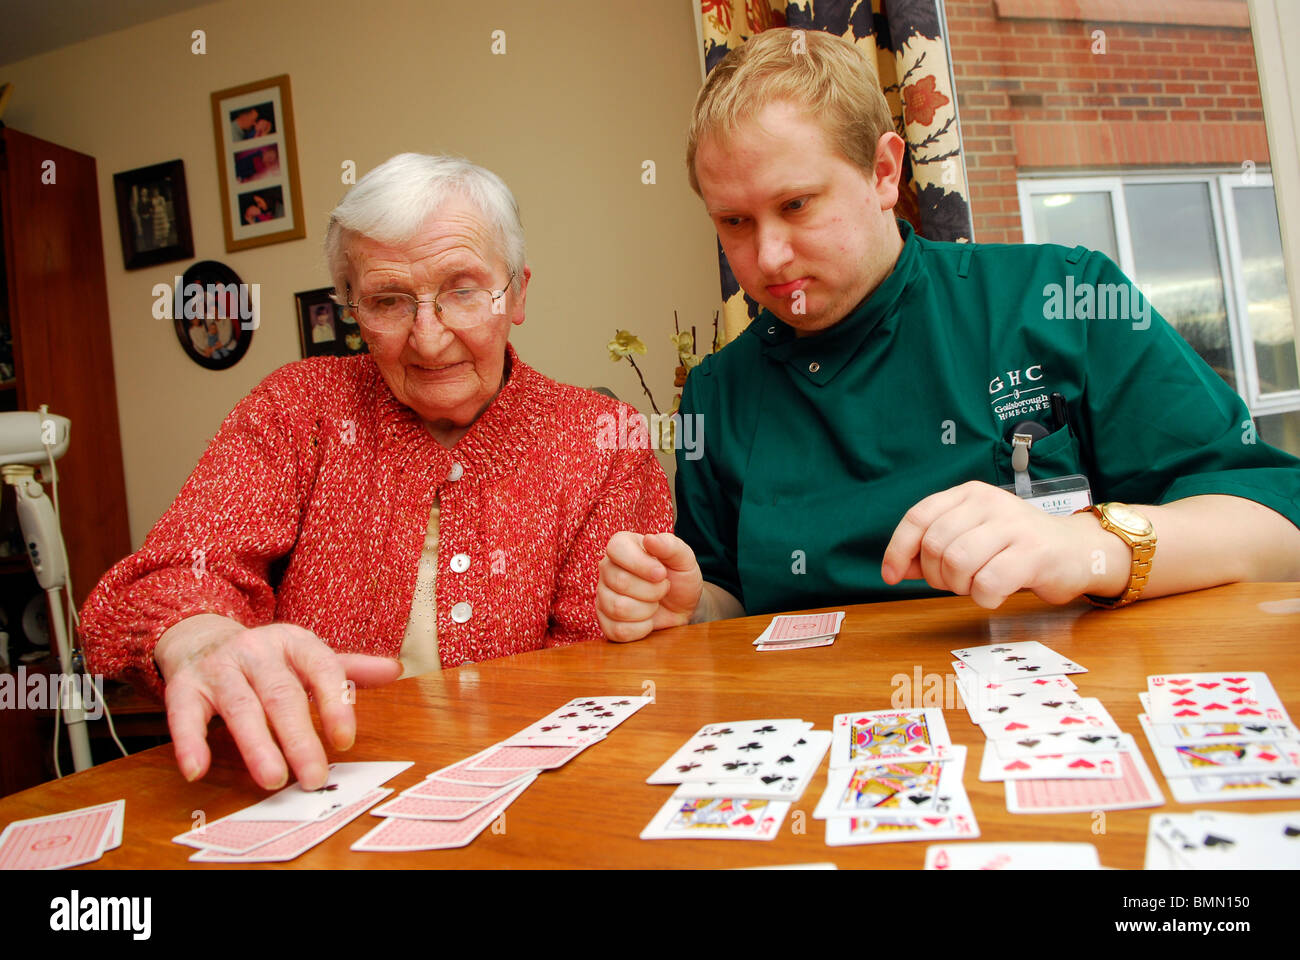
[{"x": 584, "y": 94}]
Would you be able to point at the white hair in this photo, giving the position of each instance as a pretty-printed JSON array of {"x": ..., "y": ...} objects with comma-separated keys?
[{"x": 391, "y": 202}]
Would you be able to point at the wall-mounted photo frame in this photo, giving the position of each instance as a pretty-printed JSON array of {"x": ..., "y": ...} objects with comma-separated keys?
[
  {"x": 326, "y": 329},
  {"x": 257, "y": 164},
  {"x": 214, "y": 314},
  {"x": 153, "y": 215}
]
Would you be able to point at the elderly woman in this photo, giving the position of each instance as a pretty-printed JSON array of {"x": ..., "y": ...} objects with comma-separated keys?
[{"x": 437, "y": 501}]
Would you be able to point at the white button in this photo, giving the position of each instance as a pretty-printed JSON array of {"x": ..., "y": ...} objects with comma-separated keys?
[
  {"x": 460, "y": 562},
  {"x": 814, "y": 367},
  {"x": 456, "y": 472},
  {"x": 461, "y": 612}
]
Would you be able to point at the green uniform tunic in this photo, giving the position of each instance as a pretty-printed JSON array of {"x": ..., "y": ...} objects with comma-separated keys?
[{"x": 815, "y": 447}]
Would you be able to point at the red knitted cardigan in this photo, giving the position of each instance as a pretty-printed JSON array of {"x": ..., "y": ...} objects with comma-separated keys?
[{"x": 322, "y": 466}]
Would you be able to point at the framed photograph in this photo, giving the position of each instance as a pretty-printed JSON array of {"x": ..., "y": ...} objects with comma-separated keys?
[
  {"x": 257, "y": 164},
  {"x": 214, "y": 314},
  {"x": 153, "y": 215},
  {"x": 326, "y": 329}
]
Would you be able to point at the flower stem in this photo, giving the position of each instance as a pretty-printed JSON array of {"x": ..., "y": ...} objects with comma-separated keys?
[{"x": 653, "y": 405}]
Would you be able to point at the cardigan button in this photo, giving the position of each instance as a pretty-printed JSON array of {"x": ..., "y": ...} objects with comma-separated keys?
[
  {"x": 456, "y": 472},
  {"x": 460, "y": 562},
  {"x": 461, "y": 612}
]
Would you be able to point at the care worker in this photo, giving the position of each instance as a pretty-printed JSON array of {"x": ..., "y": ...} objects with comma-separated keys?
[{"x": 862, "y": 429}]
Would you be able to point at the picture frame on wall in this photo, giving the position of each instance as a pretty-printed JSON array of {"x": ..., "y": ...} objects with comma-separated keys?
[
  {"x": 257, "y": 164},
  {"x": 153, "y": 214},
  {"x": 214, "y": 315},
  {"x": 325, "y": 328}
]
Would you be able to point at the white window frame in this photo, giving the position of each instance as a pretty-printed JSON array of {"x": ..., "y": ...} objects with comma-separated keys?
[{"x": 1219, "y": 184}]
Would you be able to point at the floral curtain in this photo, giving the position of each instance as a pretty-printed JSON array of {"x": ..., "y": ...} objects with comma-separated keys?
[{"x": 904, "y": 39}]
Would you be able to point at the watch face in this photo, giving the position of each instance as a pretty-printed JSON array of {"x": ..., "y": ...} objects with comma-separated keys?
[{"x": 1129, "y": 520}]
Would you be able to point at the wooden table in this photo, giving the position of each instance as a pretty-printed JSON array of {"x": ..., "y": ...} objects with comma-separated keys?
[{"x": 590, "y": 812}]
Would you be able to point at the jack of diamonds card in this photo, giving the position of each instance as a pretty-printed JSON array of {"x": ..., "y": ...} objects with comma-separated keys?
[{"x": 872, "y": 735}]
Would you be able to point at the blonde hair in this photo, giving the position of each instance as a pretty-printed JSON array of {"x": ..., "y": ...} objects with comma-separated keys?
[{"x": 825, "y": 73}]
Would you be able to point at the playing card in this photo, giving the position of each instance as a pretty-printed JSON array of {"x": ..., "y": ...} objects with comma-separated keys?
[
  {"x": 237, "y": 836},
  {"x": 301, "y": 839},
  {"x": 398, "y": 834},
  {"x": 898, "y": 787},
  {"x": 1172, "y": 734},
  {"x": 742, "y": 749},
  {"x": 60, "y": 840},
  {"x": 1158, "y": 855},
  {"x": 462, "y": 772},
  {"x": 1031, "y": 705},
  {"x": 435, "y": 788},
  {"x": 1057, "y": 741},
  {"x": 1223, "y": 787},
  {"x": 1090, "y": 715},
  {"x": 1136, "y": 788},
  {"x": 1221, "y": 756},
  {"x": 794, "y": 769},
  {"x": 427, "y": 808},
  {"x": 1069, "y": 766},
  {"x": 795, "y": 628},
  {"x": 871, "y": 735},
  {"x": 347, "y": 783},
  {"x": 1012, "y": 856},
  {"x": 796, "y": 644},
  {"x": 1023, "y": 658},
  {"x": 505, "y": 757},
  {"x": 980, "y": 696},
  {"x": 717, "y": 818},
  {"x": 581, "y": 720},
  {"x": 841, "y": 831},
  {"x": 1201, "y": 697},
  {"x": 1209, "y": 840}
]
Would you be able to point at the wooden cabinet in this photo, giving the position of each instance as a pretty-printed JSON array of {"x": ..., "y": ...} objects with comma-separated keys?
[{"x": 54, "y": 307}]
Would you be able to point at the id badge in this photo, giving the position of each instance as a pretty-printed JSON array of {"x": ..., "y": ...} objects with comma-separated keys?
[{"x": 1059, "y": 496}]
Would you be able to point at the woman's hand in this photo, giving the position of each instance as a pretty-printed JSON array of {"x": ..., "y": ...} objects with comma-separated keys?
[{"x": 257, "y": 680}]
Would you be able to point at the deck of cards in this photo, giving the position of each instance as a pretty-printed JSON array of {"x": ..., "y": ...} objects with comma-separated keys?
[
  {"x": 798, "y": 632},
  {"x": 1211, "y": 840},
  {"x": 1221, "y": 736},
  {"x": 62, "y": 839},
  {"x": 1055, "y": 750},
  {"x": 895, "y": 776},
  {"x": 454, "y": 805},
  {"x": 737, "y": 780}
]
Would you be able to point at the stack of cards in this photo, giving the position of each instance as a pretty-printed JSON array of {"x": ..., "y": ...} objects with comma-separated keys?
[
  {"x": 457, "y": 803},
  {"x": 1056, "y": 751},
  {"x": 1210, "y": 840},
  {"x": 737, "y": 780},
  {"x": 788, "y": 632},
  {"x": 894, "y": 776},
  {"x": 62, "y": 839},
  {"x": 1012, "y": 856},
  {"x": 289, "y": 823},
  {"x": 1221, "y": 736}
]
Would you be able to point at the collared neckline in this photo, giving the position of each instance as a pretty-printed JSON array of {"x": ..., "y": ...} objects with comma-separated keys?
[{"x": 819, "y": 358}]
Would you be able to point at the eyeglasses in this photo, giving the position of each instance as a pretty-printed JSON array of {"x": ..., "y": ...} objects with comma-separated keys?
[{"x": 457, "y": 309}]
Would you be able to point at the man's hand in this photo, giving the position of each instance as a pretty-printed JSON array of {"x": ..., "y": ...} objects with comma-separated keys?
[
  {"x": 983, "y": 541},
  {"x": 647, "y": 582},
  {"x": 214, "y": 665}
]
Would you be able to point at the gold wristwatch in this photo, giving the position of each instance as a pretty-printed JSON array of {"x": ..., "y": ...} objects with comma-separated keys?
[{"x": 1135, "y": 530}]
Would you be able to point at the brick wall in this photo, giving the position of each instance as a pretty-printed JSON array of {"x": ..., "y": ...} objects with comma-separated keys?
[{"x": 1034, "y": 97}]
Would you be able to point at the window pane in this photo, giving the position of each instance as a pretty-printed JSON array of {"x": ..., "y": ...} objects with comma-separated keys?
[
  {"x": 1281, "y": 430},
  {"x": 1268, "y": 305},
  {"x": 1176, "y": 263},
  {"x": 1075, "y": 219}
]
